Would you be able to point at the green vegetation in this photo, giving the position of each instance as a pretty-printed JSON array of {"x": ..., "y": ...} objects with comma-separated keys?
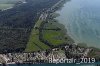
[
  {"x": 17, "y": 23},
  {"x": 53, "y": 37},
  {"x": 55, "y": 33},
  {"x": 21, "y": 30},
  {"x": 34, "y": 43},
  {"x": 49, "y": 32}
]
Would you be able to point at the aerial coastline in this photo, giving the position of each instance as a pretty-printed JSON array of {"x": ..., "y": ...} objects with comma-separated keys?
[{"x": 69, "y": 50}]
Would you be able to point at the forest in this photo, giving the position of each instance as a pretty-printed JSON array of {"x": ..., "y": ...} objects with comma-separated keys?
[{"x": 16, "y": 24}]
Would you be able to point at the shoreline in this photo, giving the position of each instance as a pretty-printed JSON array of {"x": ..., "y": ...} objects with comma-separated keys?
[
  {"x": 54, "y": 48},
  {"x": 80, "y": 35},
  {"x": 45, "y": 18},
  {"x": 95, "y": 50}
]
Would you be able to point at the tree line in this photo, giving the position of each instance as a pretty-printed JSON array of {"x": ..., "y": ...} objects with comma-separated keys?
[{"x": 16, "y": 24}]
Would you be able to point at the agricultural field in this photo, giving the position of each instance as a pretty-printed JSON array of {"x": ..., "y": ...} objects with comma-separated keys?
[
  {"x": 34, "y": 44},
  {"x": 17, "y": 26},
  {"x": 46, "y": 35},
  {"x": 55, "y": 33}
]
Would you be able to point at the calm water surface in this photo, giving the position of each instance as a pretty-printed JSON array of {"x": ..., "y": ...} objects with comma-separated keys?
[{"x": 82, "y": 21}]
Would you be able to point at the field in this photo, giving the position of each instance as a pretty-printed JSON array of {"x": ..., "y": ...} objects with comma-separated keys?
[
  {"x": 55, "y": 34},
  {"x": 51, "y": 33},
  {"x": 34, "y": 43},
  {"x": 16, "y": 27}
]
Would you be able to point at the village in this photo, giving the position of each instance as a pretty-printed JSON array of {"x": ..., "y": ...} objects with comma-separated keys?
[{"x": 66, "y": 52}]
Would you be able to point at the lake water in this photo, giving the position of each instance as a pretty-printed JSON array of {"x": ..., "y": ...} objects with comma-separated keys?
[{"x": 82, "y": 21}]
